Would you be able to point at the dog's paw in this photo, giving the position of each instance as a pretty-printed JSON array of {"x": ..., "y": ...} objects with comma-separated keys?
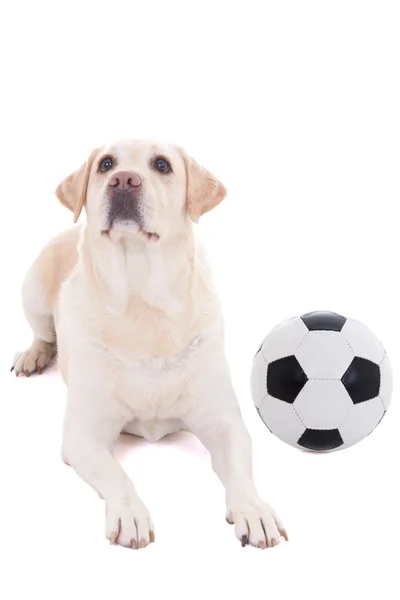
[
  {"x": 256, "y": 523},
  {"x": 35, "y": 359},
  {"x": 129, "y": 524}
]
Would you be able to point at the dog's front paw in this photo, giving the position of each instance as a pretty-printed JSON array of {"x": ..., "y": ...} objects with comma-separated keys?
[
  {"x": 129, "y": 524},
  {"x": 35, "y": 359},
  {"x": 256, "y": 523}
]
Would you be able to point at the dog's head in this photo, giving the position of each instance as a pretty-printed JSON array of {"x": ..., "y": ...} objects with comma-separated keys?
[{"x": 140, "y": 189}]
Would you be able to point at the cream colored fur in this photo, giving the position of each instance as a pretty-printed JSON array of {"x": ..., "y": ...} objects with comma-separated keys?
[{"x": 140, "y": 336}]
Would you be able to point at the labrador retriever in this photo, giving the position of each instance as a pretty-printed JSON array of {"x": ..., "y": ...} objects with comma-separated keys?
[{"x": 127, "y": 302}]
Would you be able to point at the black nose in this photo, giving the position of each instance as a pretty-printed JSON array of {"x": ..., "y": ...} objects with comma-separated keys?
[{"x": 124, "y": 180}]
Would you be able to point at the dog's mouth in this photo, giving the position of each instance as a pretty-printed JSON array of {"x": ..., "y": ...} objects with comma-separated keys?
[
  {"x": 126, "y": 219},
  {"x": 114, "y": 234}
]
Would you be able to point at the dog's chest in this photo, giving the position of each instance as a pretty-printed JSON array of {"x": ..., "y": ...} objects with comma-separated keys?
[
  {"x": 157, "y": 388},
  {"x": 145, "y": 331}
]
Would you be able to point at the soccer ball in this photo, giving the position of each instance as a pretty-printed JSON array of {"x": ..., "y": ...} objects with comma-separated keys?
[{"x": 321, "y": 382}]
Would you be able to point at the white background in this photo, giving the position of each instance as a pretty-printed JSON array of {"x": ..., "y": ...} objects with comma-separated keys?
[{"x": 295, "y": 107}]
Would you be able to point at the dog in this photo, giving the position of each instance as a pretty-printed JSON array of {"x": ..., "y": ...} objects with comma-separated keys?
[{"x": 127, "y": 303}]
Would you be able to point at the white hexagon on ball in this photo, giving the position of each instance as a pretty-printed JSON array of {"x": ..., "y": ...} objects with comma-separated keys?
[
  {"x": 386, "y": 388},
  {"x": 324, "y": 355},
  {"x": 323, "y": 404},
  {"x": 281, "y": 419},
  {"x": 361, "y": 421},
  {"x": 258, "y": 379},
  {"x": 362, "y": 341},
  {"x": 283, "y": 339}
]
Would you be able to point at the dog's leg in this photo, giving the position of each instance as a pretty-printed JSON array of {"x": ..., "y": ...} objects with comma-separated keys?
[
  {"x": 217, "y": 422},
  {"x": 39, "y": 316},
  {"x": 92, "y": 424}
]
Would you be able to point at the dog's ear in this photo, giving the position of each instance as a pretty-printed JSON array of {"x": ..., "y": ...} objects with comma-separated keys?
[
  {"x": 203, "y": 190},
  {"x": 72, "y": 190}
]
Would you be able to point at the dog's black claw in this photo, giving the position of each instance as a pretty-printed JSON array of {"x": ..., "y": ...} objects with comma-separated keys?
[
  {"x": 244, "y": 540},
  {"x": 12, "y": 369}
]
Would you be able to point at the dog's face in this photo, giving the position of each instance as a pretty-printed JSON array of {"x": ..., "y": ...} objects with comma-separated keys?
[
  {"x": 142, "y": 190},
  {"x": 137, "y": 188}
]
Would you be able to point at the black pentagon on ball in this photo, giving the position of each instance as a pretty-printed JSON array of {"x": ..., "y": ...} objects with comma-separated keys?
[
  {"x": 285, "y": 379},
  {"x": 362, "y": 380},
  {"x": 323, "y": 321},
  {"x": 321, "y": 440}
]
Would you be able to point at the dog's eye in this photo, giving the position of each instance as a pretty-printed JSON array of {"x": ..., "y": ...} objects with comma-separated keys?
[
  {"x": 106, "y": 164},
  {"x": 162, "y": 165}
]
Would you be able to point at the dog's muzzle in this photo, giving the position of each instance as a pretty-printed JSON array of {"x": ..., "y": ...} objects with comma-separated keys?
[{"x": 125, "y": 191}]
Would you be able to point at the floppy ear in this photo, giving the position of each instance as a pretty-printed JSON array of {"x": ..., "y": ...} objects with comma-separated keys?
[
  {"x": 203, "y": 190},
  {"x": 72, "y": 191}
]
